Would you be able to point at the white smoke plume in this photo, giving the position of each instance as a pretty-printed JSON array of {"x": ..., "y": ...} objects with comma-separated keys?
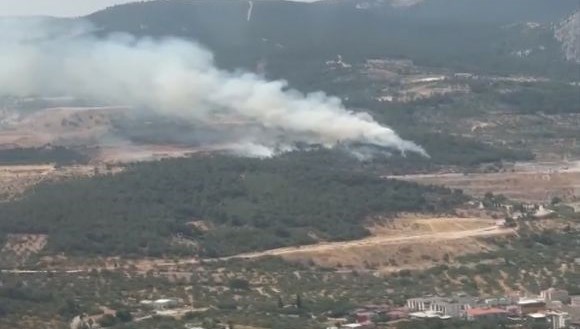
[{"x": 177, "y": 78}]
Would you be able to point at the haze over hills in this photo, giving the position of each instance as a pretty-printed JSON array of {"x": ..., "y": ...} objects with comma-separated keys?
[
  {"x": 280, "y": 165},
  {"x": 471, "y": 35},
  {"x": 569, "y": 34}
]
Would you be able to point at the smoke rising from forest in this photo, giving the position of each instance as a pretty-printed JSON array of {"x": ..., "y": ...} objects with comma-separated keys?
[{"x": 178, "y": 79}]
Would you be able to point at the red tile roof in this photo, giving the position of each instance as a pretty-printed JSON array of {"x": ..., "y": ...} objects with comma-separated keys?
[{"x": 484, "y": 311}]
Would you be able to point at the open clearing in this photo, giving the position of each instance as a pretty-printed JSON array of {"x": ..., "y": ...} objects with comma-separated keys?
[
  {"x": 400, "y": 244},
  {"x": 19, "y": 247},
  {"x": 15, "y": 180},
  {"x": 411, "y": 241},
  {"x": 529, "y": 182}
]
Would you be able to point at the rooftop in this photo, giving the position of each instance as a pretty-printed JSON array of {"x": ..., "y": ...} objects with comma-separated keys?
[
  {"x": 429, "y": 315},
  {"x": 537, "y": 315},
  {"x": 485, "y": 311},
  {"x": 530, "y": 301}
]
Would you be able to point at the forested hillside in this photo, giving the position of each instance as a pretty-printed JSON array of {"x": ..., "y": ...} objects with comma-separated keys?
[
  {"x": 473, "y": 35},
  {"x": 245, "y": 204}
]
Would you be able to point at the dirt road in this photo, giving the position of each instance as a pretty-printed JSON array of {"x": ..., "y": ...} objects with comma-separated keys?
[
  {"x": 377, "y": 241},
  {"x": 458, "y": 232}
]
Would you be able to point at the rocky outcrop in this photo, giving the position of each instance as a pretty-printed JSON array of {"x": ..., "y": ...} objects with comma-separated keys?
[
  {"x": 568, "y": 33},
  {"x": 82, "y": 322}
]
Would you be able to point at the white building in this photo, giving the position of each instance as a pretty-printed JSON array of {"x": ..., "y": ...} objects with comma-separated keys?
[
  {"x": 161, "y": 304},
  {"x": 454, "y": 307},
  {"x": 553, "y": 294},
  {"x": 558, "y": 320}
]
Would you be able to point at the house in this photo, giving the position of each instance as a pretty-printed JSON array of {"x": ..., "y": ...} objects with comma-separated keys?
[
  {"x": 575, "y": 300},
  {"x": 555, "y": 305},
  {"x": 428, "y": 315},
  {"x": 500, "y": 222},
  {"x": 529, "y": 207},
  {"x": 486, "y": 313},
  {"x": 536, "y": 318},
  {"x": 531, "y": 306},
  {"x": 355, "y": 326},
  {"x": 517, "y": 215},
  {"x": 161, "y": 304},
  {"x": 553, "y": 294},
  {"x": 495, "y": 302},
  {"x": 542, "y": 212},
  {"x": 448, "y": 306},
  {"x": 558, "y": 320}
]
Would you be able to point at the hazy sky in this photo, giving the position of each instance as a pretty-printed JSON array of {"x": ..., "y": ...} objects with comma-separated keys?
[
  {"x": 54, "y": 7},
  {"x": 60, "y": 7}
]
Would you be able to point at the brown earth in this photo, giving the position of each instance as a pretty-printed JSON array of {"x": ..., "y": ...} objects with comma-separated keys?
[
  {"x": 18, "y": 248},
  {"x": 527, "y": 182},
  {"x": 400, "y": 244},
  {"x": 407, "y": 242},
  {"x": 60, "y": 126},
  {"x": 15, "y": 180}
]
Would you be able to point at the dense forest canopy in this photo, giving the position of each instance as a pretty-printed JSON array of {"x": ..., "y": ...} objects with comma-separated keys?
[{"x": 248, "y": 204}]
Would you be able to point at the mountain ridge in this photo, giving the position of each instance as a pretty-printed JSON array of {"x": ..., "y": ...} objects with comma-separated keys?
[
  {"x": 467, "y": 35},
  {"x": 568, "y": 33}
]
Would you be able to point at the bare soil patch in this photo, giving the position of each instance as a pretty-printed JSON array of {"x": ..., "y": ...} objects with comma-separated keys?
[
  {"x": 15, "y": 180},
  {"x": 526, "y": 182},
  {"x": 399, "y": 244},
  {"x": 20, "y": 247}
]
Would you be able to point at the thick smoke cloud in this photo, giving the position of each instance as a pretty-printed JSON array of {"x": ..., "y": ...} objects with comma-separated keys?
[{"x": 177, "y": 79}]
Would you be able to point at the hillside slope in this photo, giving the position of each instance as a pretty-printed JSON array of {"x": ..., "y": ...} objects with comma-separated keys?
[
  {"x": 216, "y": 205},
  {"x": 569, "y": 34},
  {"x": 467, "y": 35}
]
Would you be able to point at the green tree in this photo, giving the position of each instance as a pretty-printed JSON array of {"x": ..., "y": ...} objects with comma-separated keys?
[
  {"x": 124, "y": 316},
  {"x": 239, "y": 284}
]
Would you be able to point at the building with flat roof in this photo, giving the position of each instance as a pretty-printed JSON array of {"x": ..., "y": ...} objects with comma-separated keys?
[
  {"x": 429, "y": 315},
  {"x": 558, "y": 320},
  {"x": 531, "y": 306},
  {"x": 554, "y": 294},
  {"x": 451, "y": 306},
  {"x": 486, "y": 313}
]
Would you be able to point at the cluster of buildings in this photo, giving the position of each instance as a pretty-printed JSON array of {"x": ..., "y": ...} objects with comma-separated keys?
[{"x": 552, "y": 309}]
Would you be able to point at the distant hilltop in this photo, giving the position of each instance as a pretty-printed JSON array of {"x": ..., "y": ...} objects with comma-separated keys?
[{"x": 569, "y": 34}]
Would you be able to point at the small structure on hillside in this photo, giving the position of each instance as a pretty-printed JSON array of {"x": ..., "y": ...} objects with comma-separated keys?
[{"x": 161, "y": 304}]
